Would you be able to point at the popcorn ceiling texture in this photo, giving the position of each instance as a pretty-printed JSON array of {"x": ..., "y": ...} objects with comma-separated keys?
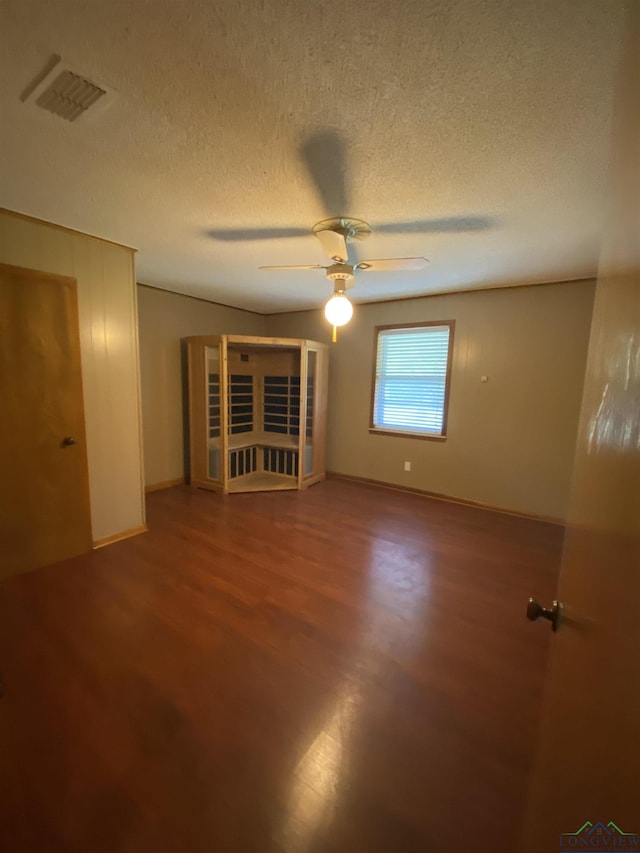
[{"x": 497, "y": 110}]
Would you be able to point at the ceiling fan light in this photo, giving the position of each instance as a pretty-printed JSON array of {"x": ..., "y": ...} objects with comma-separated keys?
[{"x": 338, "y": 309}]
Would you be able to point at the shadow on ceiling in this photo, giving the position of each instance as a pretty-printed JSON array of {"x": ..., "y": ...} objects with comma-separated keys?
[{"x": 324, "y": 156}]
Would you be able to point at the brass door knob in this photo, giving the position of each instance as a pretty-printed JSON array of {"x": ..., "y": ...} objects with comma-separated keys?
[{"x": 535, "y": 611}]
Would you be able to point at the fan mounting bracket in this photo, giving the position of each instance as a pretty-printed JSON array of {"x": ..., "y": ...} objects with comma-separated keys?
[{"x": 351, "y": 229}]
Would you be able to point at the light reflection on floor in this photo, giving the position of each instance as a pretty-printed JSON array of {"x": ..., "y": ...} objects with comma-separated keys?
[
  {"x": 316, "y": 778},
  {"x": 395, "y": 622}
]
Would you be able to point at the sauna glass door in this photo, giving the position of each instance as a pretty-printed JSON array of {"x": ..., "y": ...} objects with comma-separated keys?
[
  {"x": 214, "y": 416},
  {"x": 313, "y": 416},
  {"x": 257, "y": 412}
]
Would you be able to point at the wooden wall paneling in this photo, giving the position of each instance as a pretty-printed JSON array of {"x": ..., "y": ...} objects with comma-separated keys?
[
  {"x": 263, "y": 361},
  {"x": 237, "y": 365},
  {"x": 119, "y": 386},
  {"x": 108, "y": 341},
  {"x": 247, "y": 340},
  {"x": 286, "y": 363}
]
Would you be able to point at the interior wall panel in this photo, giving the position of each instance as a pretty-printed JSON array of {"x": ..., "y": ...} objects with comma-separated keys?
[
  {"x": 166, "y": 318},
  {"x": 511, "y": 439},
  {"x": 110, "y": 371}
]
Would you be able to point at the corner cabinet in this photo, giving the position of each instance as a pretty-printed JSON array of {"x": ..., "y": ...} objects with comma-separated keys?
[{"x": 257, "y": 412}]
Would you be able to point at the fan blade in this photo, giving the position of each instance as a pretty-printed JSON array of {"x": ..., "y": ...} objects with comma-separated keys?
[
  {"x": 389, "y": 264},
  {"x": 234, "y": 235},
  {"x": 334, "y": 244},
  {"x": 324, "y": 156},
  {"x": 296, "y": 267},
  {"x": 436, "y": 226}
]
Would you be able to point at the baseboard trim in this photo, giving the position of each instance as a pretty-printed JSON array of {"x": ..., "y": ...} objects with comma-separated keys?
[
  {"x": 168, "y": 484},
  {"x": 311, "y": 481},
  {"x": 116, "y": 537},
  {"x": 381, "y": 484}
]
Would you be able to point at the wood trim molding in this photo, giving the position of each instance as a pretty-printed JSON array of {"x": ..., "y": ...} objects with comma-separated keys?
[
  {"x": 588, "y": 280},
  {"x": 369, "y": 301},
  {"x": 167, "y": 484},
  {"x": 200, "y": 299},
  {"x": 400, "y": 434},
  {"x": 381, "y": 484},
  {"x": 116, "y": 537},
  {"x": 67, "y": 280},
  {"x": 310, "y": 481},
  {"x": 17, "y": 215}
]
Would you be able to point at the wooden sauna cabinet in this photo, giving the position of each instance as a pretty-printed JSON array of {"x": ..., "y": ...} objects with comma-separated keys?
[{"x": 257, "y": 412}]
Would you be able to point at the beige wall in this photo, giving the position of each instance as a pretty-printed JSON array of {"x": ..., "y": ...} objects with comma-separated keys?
[
  {"x": 165, "y": 318},
  {"x": 510, "y": 440},
  {"x": 108, "y": 341}
]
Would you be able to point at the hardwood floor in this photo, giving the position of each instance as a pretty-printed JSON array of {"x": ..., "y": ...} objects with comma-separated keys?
[{"x": 345, "y": 669}]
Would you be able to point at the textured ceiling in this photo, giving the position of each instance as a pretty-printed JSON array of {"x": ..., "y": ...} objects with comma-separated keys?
[{"x": 486, "y": 121}]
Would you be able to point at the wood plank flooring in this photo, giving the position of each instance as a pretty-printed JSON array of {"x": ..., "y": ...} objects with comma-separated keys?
[{"x": 340, "y": 670}]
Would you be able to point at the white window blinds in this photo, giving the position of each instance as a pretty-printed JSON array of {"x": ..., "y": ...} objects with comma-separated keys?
[{"x": 411, "y": 379}]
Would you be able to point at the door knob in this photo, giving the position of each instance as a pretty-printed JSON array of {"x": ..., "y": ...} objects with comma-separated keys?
[
  {"x": 68, "y": 441},
  {"x": 535, "y": 610}
]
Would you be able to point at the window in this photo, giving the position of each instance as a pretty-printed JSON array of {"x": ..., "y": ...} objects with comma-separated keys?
[{"x": 411, "y": 383}]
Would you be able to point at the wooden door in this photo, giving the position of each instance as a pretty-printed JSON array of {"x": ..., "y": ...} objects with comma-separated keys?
[
  {"x": 585, "y": 791},
  {"x": 44, "y": 488}
]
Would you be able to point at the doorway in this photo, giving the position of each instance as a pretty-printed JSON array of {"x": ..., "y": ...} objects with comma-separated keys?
[{"x": 44, "y": 488}]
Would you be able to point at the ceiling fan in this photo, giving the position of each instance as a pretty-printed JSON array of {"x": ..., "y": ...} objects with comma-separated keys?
[
  {"x": 334, "y": 233},
  {"x": 324, "y": 155}
]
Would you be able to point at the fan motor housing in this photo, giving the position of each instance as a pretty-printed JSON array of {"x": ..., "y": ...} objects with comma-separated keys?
[{"x": 342, "y": 275}]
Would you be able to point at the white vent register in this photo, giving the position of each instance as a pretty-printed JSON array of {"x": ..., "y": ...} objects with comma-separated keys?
[
  {"x": 66, "y": 93},
  {"x": 69, "y": 96}
]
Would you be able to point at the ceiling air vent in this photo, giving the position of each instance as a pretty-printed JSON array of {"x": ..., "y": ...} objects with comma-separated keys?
[
  {"x": 65, "y": 92},
  {"x": 69, "y": 96}
]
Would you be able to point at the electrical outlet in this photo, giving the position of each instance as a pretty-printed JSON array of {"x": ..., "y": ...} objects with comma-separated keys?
[{"x": 407, "y": 466}]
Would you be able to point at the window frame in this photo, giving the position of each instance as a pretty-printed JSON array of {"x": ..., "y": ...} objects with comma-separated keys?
[{"x": 442, "y": 436}]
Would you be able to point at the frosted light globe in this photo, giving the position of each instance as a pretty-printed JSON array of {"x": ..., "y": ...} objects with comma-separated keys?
[{"x": 338, "y": 309}]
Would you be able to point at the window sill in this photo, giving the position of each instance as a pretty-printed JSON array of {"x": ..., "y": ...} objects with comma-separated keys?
[{"x": 406, "y": 434}]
